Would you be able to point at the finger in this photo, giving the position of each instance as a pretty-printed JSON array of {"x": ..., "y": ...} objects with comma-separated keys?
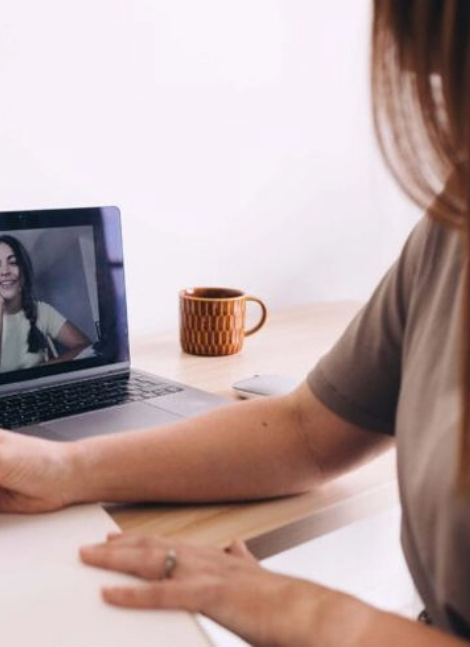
[
  {"x": 131, "y": 539},
  {"x": 164, "y": 595},
  {"x": 126, "y": 537},
  {"x": 238, "y": 548},
  {"x": 146, "y": 563}
]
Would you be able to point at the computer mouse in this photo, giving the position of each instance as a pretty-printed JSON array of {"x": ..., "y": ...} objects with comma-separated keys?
[{"x": 260, "y": 385}]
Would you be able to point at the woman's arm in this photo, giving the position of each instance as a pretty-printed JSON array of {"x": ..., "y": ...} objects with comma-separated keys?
[
  {"x": 256, "y": 449},
  {"x": 73, "y": 339},
  {"x": 265, "y": 609}
]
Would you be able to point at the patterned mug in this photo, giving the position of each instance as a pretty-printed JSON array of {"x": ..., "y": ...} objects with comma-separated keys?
[{"x": 212, "y": 320}]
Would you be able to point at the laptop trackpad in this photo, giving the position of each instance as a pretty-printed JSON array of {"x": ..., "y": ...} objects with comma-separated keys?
[{"x": 136, "y": 415}]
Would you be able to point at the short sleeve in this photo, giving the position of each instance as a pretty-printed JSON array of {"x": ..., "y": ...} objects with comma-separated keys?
[
  {"x": 359, "y": 379},
  {"x": 50, "y": 321}
]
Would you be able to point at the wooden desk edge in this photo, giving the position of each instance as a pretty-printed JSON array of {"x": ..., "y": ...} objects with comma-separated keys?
[{"x": 273, "y": 525}]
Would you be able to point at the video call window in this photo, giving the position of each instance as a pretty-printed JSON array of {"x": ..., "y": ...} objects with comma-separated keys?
[
  {"x": 48, "y": 283},
  {"x": 62, "y": 294}
]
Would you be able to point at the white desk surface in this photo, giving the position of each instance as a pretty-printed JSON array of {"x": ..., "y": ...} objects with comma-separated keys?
[{"x": 49, "y": 598}]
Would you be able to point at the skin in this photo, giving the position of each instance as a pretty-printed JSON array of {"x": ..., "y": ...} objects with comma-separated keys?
[
  {"x": 11, "y": 281},
  {"x": 11, "y": 284},
  {"x": 261, "y": 448},
  {"x": 73, "y": 339}
]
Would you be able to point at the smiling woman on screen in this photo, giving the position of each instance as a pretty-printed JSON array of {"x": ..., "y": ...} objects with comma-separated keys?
[{"x": 29, "y": 328}]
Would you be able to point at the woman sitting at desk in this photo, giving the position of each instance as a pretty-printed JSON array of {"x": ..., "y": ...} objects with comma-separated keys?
[
  {"x": 29, "y": 328},
  {"x": 401, "y": 369}
]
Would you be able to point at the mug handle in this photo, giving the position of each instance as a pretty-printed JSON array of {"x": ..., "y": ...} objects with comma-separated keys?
[{"x": 264, "y": 314}]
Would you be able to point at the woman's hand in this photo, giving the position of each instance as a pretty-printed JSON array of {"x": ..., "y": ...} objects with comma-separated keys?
[
  {"x": 265, "y": 609},
  {"x": 34, "y": 474},
  {"x": 228, "y": 586}
]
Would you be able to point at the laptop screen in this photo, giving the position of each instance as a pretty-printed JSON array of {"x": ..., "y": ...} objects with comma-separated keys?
[{"x": 62, "y": 294}]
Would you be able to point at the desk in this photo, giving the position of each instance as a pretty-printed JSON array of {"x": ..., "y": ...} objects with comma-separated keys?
[{"x": 290, "y": 343}]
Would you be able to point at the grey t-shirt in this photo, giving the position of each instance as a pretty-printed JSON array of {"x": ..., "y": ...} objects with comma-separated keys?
[{"x": 396, "y": 370}]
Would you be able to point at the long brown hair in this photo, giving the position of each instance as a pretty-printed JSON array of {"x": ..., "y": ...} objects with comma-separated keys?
[
  {"x": 421, "y": 110},
  {"x": 37, "y": 341}
]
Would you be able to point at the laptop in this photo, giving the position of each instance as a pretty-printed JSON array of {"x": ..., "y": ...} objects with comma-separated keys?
[{"x": 65, "y": 366}]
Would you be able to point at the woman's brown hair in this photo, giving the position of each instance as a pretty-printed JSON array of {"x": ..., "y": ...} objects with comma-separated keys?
[{"x": 421, "y": 110}]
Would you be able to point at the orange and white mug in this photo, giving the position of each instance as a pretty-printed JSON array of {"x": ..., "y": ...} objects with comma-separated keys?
[{"x": 212, "y": 320}]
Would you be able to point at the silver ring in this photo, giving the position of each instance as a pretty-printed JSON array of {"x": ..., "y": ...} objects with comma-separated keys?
[{"x": 169, "y": 564}]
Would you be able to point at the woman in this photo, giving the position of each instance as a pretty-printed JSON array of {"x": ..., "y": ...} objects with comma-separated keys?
[
  {"x": 29, "y": 328},
  {"x": 402, "y": 368}
]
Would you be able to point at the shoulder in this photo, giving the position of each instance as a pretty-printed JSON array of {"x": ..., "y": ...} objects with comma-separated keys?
[
  {"x": 48, "y": 315},
  {"x": 436, "y": 252},
  {"x": 430, "y": 246},
  {"x": 424, "y": 231},
  {"x": 45, "y": 308}
]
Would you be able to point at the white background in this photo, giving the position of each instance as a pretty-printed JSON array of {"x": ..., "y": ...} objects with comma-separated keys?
[{"x": 234, "y": 134}]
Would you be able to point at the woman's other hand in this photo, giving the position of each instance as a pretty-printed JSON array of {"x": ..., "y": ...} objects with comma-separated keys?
[{"x": 228, "y": 586}]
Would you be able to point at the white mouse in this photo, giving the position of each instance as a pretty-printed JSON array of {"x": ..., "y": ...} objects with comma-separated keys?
[{"x": 260, "y": 385}]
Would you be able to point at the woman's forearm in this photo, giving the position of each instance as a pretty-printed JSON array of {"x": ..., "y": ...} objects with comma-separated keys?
[
  {"x": 68, "y": 355},
  {"x": 256, "y": 449},
  {"x": 344, "y": 620},
  {"x": 246, "y": 450},
  {"x": 316, "y": 616}
]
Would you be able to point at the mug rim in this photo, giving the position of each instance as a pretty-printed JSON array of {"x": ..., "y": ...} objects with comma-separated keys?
[{"x": 191, "y": 293}]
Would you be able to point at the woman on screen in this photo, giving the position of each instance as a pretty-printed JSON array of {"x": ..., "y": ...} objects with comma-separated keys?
[{"x": 30, "y": 330}]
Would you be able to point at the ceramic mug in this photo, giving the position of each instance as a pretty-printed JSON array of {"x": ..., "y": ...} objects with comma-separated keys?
[{"x": 212, "y": 320}]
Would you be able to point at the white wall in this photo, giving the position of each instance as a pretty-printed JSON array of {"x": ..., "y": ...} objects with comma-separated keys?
[{"x": 234, "y": 135}]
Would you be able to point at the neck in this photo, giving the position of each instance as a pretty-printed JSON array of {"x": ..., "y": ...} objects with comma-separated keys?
[{"x": 13, "y": 306}]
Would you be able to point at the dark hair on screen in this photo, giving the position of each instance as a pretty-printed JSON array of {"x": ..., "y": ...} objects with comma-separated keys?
[
  {"x": 36, "y": 340},
  {"x": 421, "y": 109}
]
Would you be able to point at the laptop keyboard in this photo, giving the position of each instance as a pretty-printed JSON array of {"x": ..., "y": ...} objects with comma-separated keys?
[{"x": 60, "y": 401}]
